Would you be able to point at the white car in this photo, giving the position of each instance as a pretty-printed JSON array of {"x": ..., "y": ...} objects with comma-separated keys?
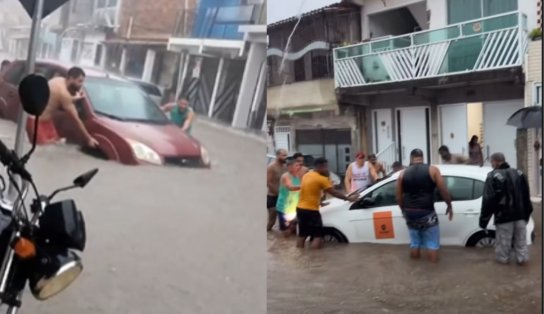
[{"x": 376, "y": 217}]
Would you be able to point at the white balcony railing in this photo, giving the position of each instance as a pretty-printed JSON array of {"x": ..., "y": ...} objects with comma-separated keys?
[{"x": 495, "y": 42}]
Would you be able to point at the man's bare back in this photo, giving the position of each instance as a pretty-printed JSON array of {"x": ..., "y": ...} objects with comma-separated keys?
[
  {"x": 63, "y": 93},
  {"x": 275, "y": 171}
]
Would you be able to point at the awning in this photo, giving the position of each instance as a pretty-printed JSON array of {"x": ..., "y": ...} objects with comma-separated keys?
[
  {"x": 201, "y": 46},
  {"x": 139, "y": 42}
]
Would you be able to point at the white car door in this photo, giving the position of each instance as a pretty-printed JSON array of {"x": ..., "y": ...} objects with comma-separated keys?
[
  {"x": 376, "y": 217},
  {"x": 466, "y": 203}
]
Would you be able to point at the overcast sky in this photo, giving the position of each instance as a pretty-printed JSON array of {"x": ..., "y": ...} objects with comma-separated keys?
[{"x": 278, "y": 10}]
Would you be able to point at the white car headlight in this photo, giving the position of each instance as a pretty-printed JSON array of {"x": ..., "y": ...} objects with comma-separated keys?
[
  {"x": 145, "y": 153},
  {"x": 204, "y": 155}
]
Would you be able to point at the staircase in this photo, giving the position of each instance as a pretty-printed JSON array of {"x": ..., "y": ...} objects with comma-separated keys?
[{"x": 387, "y": 157}]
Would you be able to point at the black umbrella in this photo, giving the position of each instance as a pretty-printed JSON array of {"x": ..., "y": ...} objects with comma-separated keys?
[{"x": 526, "y": 118}]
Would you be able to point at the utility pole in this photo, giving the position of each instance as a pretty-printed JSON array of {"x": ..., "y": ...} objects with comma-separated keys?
[{"x": 30, "y": 62}]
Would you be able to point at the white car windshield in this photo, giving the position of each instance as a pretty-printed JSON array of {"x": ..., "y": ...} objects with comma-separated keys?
[{"x": 122, "y": 100}]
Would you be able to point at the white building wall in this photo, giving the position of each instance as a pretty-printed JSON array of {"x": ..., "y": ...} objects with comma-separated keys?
[
  {"x": 377, "y": 6},
  {"x": 529, "y": 7},
  {"x": 439, "y": 13},
  {"x": 90, "y": 46}
]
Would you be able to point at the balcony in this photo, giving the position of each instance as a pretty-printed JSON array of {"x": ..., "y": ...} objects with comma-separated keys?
[
  {"x": 217, "y": 22},
  {"x": 491, "y": 43}
]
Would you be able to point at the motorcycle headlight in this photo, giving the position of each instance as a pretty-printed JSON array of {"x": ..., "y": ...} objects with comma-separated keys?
[
  {"x": 52, "y": 273},
  {"x": 145, "y": 153},
  {"x": 205, "y": 156}
]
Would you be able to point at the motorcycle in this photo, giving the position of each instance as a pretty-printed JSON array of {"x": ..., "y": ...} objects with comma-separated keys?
[{"x": 40, "y": 250}]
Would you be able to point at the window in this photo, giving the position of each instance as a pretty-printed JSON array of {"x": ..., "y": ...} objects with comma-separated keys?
[
  {"x": 300, "y": 73},
  {"x": 462, "y": 189},
  {"x": 321, "y": 65},
  {"x": 465, "y": 10},
  {"x": 537, "y": 94},
  {"x": 384, "y": 195},
  {"x": 478, "y": 189}
]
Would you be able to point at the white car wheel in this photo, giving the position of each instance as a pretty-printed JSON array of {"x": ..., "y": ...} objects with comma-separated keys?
[{"x": 486, "y": 242}]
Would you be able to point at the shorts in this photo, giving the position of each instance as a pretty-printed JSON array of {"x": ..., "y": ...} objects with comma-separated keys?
[
  {"x": 283, "y": 222},
  {"x": 428, "y": 238},
  {"x": 271, "y": 201},
  {"x": 47, "y": 132},
  {"x": 309, "y": 223}
]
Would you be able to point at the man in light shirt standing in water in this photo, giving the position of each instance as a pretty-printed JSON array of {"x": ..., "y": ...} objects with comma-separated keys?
[{"x": 360, "y": 174}]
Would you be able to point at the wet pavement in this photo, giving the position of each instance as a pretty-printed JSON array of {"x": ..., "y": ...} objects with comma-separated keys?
[
  {"x": 369, "y": 278},
  {"x": 163, "y": 239}
]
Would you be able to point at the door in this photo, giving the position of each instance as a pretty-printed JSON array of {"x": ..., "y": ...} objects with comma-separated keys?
[
  {"x": 466, "y": 196},
  {"x": 382, "y": 129},
  {"x": 413, "y": 131},
  {"x": 499, "y": 137},
  {"x": 282, "y": 138},
  {"x": 376, "y": 218},
  {"x": 453, "y": 128}
]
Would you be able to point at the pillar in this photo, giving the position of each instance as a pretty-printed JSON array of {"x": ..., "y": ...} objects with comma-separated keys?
[
  {"x": 257, "y": 52},
  {"x": 123, "y": 63},
  {"x": 149, "y": 65},
  {"x": 216, "y": 86},
  {"x": 260, "y": 88},
  {"x": 104, "y": 56}
]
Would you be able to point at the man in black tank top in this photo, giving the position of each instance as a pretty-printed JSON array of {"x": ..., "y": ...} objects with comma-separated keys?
[{"x": 415, "y": 197}]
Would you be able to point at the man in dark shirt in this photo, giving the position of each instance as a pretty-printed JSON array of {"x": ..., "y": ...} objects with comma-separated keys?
[
  {"x": 507, "y": 198},
  {"x": 415, "y": 197}
]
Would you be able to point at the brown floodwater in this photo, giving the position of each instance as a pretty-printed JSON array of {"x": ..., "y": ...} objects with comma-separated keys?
[{"x": 371, "y": 278}]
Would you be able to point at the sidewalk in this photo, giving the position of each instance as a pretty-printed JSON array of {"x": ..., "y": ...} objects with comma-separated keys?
[{"x": 259, "y": 136}]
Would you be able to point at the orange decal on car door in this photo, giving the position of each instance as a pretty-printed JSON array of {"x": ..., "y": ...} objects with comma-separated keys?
[{"x": 383, "y": 225}]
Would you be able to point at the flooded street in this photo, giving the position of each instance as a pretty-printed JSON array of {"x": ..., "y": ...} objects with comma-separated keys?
[{"x": 366, "y": 278}]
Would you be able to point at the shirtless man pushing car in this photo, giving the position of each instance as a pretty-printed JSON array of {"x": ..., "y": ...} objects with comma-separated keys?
[{"x": 64, "y": 93}]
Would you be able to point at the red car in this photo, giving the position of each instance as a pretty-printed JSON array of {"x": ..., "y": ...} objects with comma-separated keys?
[{"x": 128, "y": 125}]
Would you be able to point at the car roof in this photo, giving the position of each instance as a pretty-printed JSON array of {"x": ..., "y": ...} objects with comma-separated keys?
[
  {"x": 89, "y": 71},
  {"x": 469, "y": 171}
]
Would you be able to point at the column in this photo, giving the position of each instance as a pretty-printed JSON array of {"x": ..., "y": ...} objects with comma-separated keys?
[
  {"x": 257, "y": 52},
  {"x": 216, "y": 86},
  {"x": 123, "y": 62},
  {"x": 149, "y": 65},
  {"x": 104, "y": 56},
  {"x": 260, "y": 88}
]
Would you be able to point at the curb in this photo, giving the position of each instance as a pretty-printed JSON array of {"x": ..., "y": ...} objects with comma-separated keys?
[{"x": 258, "y": 136}]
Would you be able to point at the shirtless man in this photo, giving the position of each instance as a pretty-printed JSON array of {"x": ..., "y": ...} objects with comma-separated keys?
[
  {"x": 273, "y": 176},
  {"x": 378, "y": 166},
  {"x": 64, "y": 93}
]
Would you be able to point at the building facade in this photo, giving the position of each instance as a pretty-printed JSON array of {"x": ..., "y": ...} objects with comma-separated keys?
[
  {"x": 128, "y": 37},
  {"x": 222, "y": 45},
  {"x": 302, "y": 107},
  {"x": 444, "y": 71},
  {"x": 533, "y": 97}
]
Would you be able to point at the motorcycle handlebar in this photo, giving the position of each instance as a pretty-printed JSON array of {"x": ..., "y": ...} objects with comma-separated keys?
[{"x": 10, "y": 160}]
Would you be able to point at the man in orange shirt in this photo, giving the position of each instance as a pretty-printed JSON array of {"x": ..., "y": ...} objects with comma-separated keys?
[{"x": 313, "y": 184}]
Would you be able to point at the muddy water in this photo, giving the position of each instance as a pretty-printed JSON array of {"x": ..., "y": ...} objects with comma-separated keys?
[{"x": 365, "y": 278}]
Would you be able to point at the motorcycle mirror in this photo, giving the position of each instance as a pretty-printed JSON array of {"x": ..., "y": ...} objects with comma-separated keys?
[
  {"x": 34, "y": 94},
  {"x": 85, "y": 178}
]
